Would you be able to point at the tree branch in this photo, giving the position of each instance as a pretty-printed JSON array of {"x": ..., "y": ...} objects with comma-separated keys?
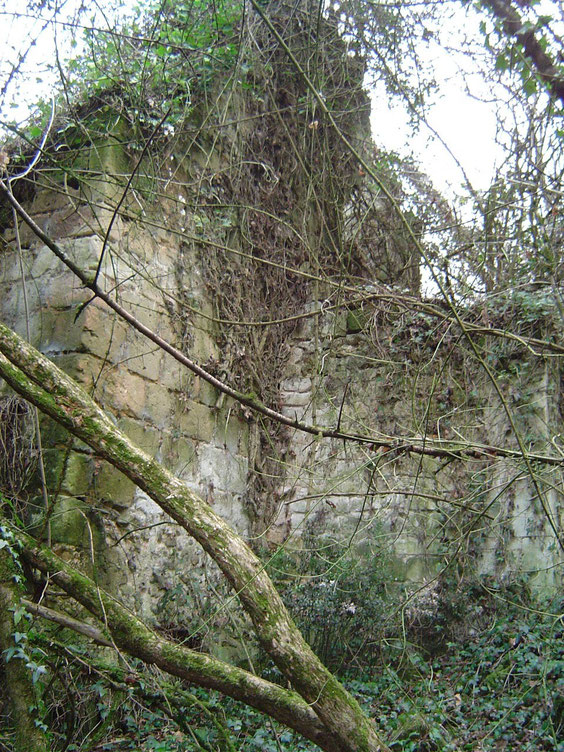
[
  {"x": 67, "y": 622},
  {"x": 514, "y": 27},
  {"x": 416, "y": 445},
  {"x": 134, "y": 637},
  {"x": 38, "y": 380}
]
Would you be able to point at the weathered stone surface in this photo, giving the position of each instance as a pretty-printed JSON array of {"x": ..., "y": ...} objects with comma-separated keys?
[
  {"x": 223, "y": 470},
  {"x": 113, "y": 487},
  {"x": 142, "y": 435},
  {"x": 195, "y": 420},
  {"x": 59, "y": 293},
  {"x": 336, "y": 373},
  {"x": 231, "y": 432},
  {"x": 79, "y": 473},
  {"x": 69, "y": 521},
  {"x": 180, "y": 455}
]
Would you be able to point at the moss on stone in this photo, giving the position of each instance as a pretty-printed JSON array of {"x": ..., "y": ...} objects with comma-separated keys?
[
  {"x": 356, "y": 321},
  {"x": 69, "y": 521},
  {"x": 114, "y": 487},
  {"x": 78, "y": 474}
]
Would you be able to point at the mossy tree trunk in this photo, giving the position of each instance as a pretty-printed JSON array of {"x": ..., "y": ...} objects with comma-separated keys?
[
  {"x": 42, "y": 383},
  {"x": 29, "y": 737},
  {"x": 130, "y": 634}
]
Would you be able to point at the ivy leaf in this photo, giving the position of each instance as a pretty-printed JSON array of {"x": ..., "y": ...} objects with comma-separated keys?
[
  {"x": 36, "y": 671},
  {"x": 501, "y": 63},
  {"x": 530, "y": 86},
  {"x": 9, "y": 654}
]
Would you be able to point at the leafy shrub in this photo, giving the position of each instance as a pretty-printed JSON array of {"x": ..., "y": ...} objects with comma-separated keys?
[{"x": 340, "y": 602}]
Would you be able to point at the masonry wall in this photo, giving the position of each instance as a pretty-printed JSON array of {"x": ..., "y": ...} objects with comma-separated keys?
[
  {"x": 481, "y": 516},
  {"x": 97, "y": 514}
]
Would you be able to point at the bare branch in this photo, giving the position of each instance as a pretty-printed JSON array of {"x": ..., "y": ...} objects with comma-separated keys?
[{"x": 514, "y": 27}]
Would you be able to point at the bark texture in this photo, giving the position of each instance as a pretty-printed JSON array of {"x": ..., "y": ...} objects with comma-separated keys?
[
  {"x": 542, "y": 63},
  {"x": 132, "y": 636}
]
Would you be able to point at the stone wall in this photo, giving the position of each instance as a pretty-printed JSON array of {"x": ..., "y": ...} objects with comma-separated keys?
[
  {"x": 480, "y": 516},
  {"x": 176, "y": 418}
]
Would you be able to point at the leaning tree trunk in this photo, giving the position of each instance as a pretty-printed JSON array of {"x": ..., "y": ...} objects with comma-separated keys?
[
  {"x": 37, "y": 379},
  {"x": 130, "y": 634}
]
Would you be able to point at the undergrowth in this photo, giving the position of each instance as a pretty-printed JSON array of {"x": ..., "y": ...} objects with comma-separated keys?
[{"x": 498, "y": 686}]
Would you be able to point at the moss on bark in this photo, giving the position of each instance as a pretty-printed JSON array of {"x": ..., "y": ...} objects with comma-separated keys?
[{"x": 131, "y": 635}]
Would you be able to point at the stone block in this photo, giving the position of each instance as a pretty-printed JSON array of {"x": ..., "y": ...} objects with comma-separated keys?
[
  {"x": 300, "y": 505},
  {"x": 231, "y": 432},
  {"x": 143, "y": 436},
  {"x": 195, "y": 420},
  {"x": 224, "y": 471},
  {"x": 104, "y": 333},
  {"x": 84, "y": 252},
  {"x": 204, "y": 392},
  {"x": 10, "y": 271},
  {"x": 78, "y": 474},
  {"x": 63, "y": 291},
  {"x": 298, "y": 520},
  {"x": 114, "y": 487},
  {"x": 60, "y": 332},
  {"x": 356, "y": 321},
  {"x": 52, "y": 199},
  {"x": 13, "y": 315},
  {"x": 295, "y": 412},
  {"x": 179, "y": 455},
  {"x": 295, "y": 399},
  {"x": 140, "y": 304},
  {"x": 68, "y": 521},
  {"x": 145, "y": 359},
  {"x": 61, "y": 224},
  {"x": 53, "y": 461},
  {"x": 203, "y": 346},
  {"x": 44, "y": 262},
  {"x": 171, "y": 374},
  {"x": 144, "y": 511},
  {"x": 83, "y": 368},
  {"x": 125, "y": 393},
  {"x": 296, "y": 385},
  {"x": 160, "y": 405}
]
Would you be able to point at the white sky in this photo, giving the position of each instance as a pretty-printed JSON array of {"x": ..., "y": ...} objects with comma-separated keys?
[
  {"x": 467, "y": 127},
  {"x": 466, "y": 124}
]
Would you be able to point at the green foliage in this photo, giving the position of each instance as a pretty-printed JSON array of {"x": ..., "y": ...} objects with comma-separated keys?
[
  {"x": 162, "y": 59},
  {"x": 506, "y": 39},
  {"x": 498, "y": 685},
  {"x": 340, "y": 602}
]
